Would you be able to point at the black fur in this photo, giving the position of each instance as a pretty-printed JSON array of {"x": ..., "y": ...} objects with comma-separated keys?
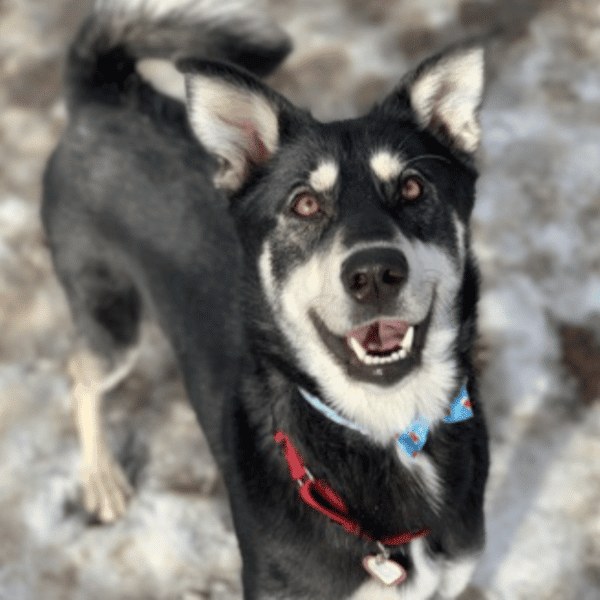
[{"x": 136, "y": 227}]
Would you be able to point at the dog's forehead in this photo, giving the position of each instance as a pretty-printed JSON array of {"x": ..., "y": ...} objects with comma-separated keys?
[
  {"x": 385, "y": 164},
  {"x": 360, "y": 148}
]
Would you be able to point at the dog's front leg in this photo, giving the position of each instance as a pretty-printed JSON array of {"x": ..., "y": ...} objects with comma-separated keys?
[{"x": 106, "y": 489}]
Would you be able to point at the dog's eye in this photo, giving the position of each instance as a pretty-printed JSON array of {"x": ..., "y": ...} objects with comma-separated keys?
[
  {"x": 411, "y": 189},
  {"x": 306, "y": 205}
]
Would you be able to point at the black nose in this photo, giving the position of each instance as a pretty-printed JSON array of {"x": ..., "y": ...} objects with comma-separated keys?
[{"x": 375, "y": 276}]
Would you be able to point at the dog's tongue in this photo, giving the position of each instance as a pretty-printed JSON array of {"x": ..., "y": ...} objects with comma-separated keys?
[{"x": 382, "y": 336}]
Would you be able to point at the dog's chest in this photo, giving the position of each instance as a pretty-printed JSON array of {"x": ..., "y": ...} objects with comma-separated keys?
[
  {"x": 372, "y": 590},
  {"x": 422, "y": 582}
]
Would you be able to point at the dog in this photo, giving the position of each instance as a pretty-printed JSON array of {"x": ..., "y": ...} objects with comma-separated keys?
[{"x": 315, "y": 281}]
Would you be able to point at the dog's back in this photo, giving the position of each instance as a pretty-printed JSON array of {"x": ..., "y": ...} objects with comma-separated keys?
[{"x": 129, "y": 206}]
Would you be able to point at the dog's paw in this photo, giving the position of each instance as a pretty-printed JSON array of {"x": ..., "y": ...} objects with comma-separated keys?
[{"x": 106, "y": 490}]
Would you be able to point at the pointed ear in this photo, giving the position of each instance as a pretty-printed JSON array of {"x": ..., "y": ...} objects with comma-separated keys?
[
  {"x": 234, "y": 116},
  {"x": 445, "y": 93}
]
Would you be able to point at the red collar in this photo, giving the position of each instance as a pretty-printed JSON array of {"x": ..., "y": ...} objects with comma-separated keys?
[{"x": 320, "y": 496}]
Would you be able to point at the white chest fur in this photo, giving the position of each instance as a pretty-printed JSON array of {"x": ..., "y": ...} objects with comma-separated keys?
[
  {"x": 422, "y": 584},
  {"x": 449, "y": 579}
]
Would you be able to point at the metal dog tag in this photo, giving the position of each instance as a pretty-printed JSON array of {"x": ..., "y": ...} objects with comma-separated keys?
[{"x": 384, "y": 569}]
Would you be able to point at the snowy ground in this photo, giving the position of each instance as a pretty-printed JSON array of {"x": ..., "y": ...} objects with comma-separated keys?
[{"x": 536, "y": 233}]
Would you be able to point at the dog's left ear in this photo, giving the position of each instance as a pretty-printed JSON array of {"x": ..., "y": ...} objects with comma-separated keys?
[
  {"x": 235, "y": 117},
  {"x": 444, "y": 93}
]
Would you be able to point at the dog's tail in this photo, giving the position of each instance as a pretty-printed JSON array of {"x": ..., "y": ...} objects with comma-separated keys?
[{"x": 101, "y": 63}]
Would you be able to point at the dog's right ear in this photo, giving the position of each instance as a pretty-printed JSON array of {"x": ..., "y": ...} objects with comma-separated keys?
[{"x": 235, "y": 117}]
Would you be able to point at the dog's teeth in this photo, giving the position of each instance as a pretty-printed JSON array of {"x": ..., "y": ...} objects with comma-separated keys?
[
  {"x": 358, "y": 349},
  {"x": 407, "y": 342},
  {"x": 397, "y": 355},
  {"x": 371, "y": 360}
]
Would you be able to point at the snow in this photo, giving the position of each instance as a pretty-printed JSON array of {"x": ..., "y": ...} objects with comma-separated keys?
[{"x": 536, "y": 233}]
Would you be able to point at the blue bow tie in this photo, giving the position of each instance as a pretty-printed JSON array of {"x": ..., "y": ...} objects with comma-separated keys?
[{"x": 413, "y": 438}]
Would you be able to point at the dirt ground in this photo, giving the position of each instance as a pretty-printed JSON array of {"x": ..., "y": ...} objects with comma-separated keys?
[{"x": 536, "y": 232}]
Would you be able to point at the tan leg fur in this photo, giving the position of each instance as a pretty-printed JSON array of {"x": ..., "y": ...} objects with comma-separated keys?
[{"x": 106, "y": 489}]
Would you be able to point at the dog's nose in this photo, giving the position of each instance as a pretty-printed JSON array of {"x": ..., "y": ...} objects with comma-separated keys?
[{"x": 375, "y": 276}]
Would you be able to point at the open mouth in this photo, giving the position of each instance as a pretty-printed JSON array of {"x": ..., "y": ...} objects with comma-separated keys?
[
  {"x": 383, "y": 351},
  {"x": 382, "y": 342}
]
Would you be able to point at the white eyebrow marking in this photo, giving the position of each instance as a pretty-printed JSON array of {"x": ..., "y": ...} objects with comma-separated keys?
[
  {"x": 386, "y": 165},
  {"x": 324, "y": 177}
]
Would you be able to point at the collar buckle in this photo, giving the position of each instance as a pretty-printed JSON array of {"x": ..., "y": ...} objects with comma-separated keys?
[{"x": 306, "y": 477}]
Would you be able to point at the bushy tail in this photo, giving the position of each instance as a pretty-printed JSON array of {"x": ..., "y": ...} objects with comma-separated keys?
[{"x": 101, "y": 63}]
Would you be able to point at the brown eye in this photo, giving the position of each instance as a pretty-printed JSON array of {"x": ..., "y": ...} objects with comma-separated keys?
[
  {"x": 306, "y": 205},
  {"x": 412, "y": 189}
]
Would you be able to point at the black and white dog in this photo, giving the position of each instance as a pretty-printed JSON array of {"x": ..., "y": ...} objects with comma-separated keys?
[{"x": 314, "y": 279}]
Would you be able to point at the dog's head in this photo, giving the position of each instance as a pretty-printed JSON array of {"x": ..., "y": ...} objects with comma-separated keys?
[{"x": 357, "y": 229}]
